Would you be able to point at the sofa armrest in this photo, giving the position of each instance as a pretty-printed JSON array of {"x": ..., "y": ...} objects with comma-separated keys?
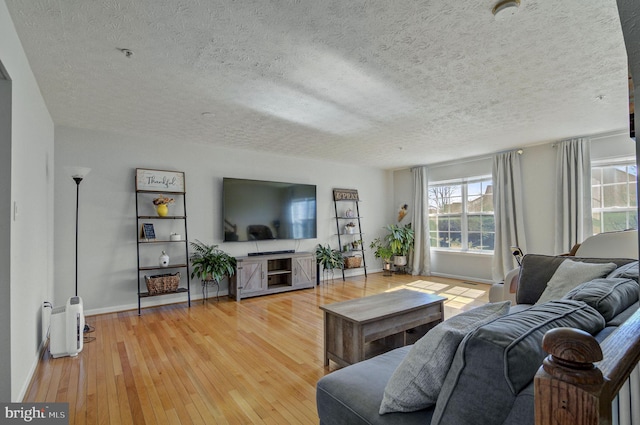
[
  {"x": 512, "y": 279},
  {"x": 506, "y": 290}
]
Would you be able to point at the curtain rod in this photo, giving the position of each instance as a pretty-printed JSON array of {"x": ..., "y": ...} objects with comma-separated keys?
[{"x": 519, "y": 151}]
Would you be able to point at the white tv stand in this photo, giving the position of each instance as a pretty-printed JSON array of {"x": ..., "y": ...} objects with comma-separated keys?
[{"x": 273, "y": 273}]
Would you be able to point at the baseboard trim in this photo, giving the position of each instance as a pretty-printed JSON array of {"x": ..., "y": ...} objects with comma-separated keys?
[
  {"x": 154, "y": 302},
  {"x": 445, "y": 275},
  {"x": 465, "y": 278}
]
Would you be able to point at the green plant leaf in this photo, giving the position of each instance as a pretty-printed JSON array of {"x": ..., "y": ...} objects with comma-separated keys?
[{"x": 210, "y": 261}]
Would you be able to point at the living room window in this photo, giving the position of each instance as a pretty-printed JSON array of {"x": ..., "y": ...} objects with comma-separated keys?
[
  {"x": 614, "y": 197},
  {"x": 461, "y": 215}
]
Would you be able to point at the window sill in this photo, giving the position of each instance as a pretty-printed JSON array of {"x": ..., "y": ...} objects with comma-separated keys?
[{"x": 457, "y": 251}]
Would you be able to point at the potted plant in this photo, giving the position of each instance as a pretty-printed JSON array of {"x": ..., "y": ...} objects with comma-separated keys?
[
  {"x": 211, "y": 263},
  {"x": 350, "y": 228},
  {"x": 382, "y": 250},
  {"x": 329, "y": 259},
  {"x": 400, "y": 240}
]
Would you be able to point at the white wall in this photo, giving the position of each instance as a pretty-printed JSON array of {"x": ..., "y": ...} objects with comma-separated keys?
[
  {"x": 107, "y": 258},
  {"x": 5, "y": 237},
  {"x": 31, "y": 183},
  {"x": 538, "y": 175}
]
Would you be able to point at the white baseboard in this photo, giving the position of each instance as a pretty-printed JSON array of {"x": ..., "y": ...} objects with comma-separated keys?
[
  {"x": 154, "y": 302},
  {"x": 467, "y": 278}
]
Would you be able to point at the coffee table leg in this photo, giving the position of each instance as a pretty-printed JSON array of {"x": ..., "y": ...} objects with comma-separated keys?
[{"x": 326, "y": 356}]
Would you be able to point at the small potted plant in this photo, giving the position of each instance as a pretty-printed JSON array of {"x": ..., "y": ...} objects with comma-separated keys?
[
  {"x": 329, "y": 259},
  {"x": 210, "y": 263},
  {"x": 382, "y": 250},
  {"x": 350, "y": 228}
]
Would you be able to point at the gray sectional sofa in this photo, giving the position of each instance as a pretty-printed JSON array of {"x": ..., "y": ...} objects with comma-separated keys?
[{"x": 491, "y": 369}]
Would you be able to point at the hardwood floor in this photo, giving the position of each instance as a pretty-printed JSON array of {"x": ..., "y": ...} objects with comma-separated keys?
[{"x": 219, "y": 362}]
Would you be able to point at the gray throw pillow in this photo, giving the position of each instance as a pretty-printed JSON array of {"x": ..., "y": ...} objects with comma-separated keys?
[
  {"x": 416, "y": 382},
  {"x": 628, "y": 271},
  {"x": 610, "y": 296},
  {"x": 571, "y": 274}
]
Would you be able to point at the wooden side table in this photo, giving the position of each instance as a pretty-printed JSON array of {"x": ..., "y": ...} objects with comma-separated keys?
[{"x": 362, "y": 328}]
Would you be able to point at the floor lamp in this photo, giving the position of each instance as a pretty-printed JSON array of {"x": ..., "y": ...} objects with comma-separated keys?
[{"x": 77, "y": 174}]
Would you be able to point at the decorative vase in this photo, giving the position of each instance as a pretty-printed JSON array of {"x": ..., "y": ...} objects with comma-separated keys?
[
  {"x": 162, "y": 210},
  {"x": 164, "y": 259},
  {"x": 386, "y": 268},
  {"x": 400, "y": 260}
]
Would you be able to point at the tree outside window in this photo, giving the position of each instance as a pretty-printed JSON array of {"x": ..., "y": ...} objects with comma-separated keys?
[{"x": 461, "y": 215}]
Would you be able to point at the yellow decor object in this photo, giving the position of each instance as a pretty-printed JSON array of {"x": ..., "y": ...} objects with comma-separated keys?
[
  {"x": 162, "y": 210},
  {"x": 161, "y": 203}
]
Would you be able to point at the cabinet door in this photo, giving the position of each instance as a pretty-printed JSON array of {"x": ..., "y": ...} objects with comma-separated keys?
[
  {"x": 251, "y": 277},
  {"x": 304, "y": 270}
]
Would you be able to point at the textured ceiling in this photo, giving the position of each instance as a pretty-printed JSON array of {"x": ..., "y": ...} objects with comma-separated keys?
[{"x": 389, "y": 84}]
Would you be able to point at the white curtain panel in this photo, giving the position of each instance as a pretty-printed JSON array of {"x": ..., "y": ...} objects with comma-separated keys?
[
  {"x": 421, "y": 261},
  {"x": 508, "y": 212},
  {"x": 573, "y": 203}
]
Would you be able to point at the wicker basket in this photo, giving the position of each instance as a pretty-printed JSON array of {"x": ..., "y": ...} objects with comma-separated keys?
[
  {"x": 352, "y": 262},
  {"x": 162, "y": 283}
]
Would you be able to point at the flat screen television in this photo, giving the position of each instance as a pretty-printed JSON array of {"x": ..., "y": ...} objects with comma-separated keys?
[{"x": 255, "y": 210}]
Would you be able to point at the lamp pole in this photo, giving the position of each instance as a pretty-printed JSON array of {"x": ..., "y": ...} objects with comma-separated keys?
[
  {"x": 77, "y": 174},
  {"x": 77, "y": 179}
]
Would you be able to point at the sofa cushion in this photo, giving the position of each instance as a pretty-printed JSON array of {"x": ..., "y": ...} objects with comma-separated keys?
[
  {"x": 538, "y": 269},
  {"x": 624, "y": 316},
  {"x": 352, "y": 395},
  {"x": 628, "y": 271},
  {"x": 610, "y": 296},
  {"x": 501, "y": 358},
  {"x": 571, "y": 274},
  {"x": 416, "y": 382}
]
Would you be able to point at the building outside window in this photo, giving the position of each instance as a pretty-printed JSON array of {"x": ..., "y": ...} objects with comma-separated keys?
[
  {"x": 614, "y": 196},
  {"x": 461, "y": 215}
]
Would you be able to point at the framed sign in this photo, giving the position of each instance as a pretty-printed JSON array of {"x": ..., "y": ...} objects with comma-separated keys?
[
  {"x": 159, "y": 180},
  {"x": 148, "y": 232},
  {"x": 345, "y": 195}
]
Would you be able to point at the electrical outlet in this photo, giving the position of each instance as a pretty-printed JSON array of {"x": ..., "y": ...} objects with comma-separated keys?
[{"x": 47, "y": 307}]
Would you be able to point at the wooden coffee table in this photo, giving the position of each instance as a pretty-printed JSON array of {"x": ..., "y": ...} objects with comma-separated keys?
[{"x": 362, "y": 328}]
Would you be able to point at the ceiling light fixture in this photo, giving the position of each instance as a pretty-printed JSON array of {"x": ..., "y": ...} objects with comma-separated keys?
[{"x": 505, "y": 8}]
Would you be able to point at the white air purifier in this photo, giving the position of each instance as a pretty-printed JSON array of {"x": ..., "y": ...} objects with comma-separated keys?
[{"x": 67, "y": 327}]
